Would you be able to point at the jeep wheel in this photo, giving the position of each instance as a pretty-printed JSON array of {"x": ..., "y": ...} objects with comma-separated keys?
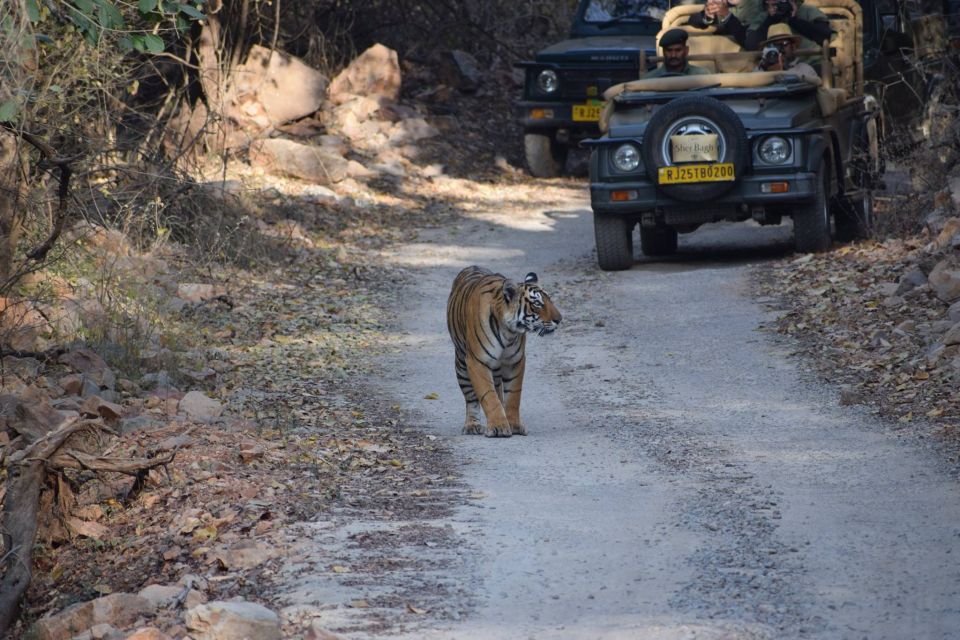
[
  {"x": 695, "y": 115},
  {"x": 811, "y": 222},
  {"x": 614, "y": 242},
  {"x": 658, "y": 241},
  {"x": 545, "y": 156},
  {"x": 853, "y": 217}
]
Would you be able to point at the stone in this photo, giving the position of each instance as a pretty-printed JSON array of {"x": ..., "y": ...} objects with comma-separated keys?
[
  {"x": 460, "y": 70},
  {"x": 374, "y": 73},
  {"x": 233, "y": 620},
  {"x": 949, "y": 236},
  {"x": 148, "y": 633},
  {"x": 24, "y": 367},
  {"x": 952, "y": 336},
  {"x": 244, "y": 555},
  {"x": 411, "y": 130},
  {"x": 92, "y": 365},
  {"x": 139, "y": 424},
  {"x": 199, "y": 292},
  {"x": 945, "y": 281},
  {"x": 953, "y": 313},
  {"x": 283, "y": 86},
  {"x": 117, "y": 609},
  {"x": 197, "y": 406},
  {"x": 307, "y": 162},
  {"x": 95, "y": 406},
  {"x": 910, "y": 280},
  {"x": 318, "y": 194},
  {"x": 22, "y": 325}
]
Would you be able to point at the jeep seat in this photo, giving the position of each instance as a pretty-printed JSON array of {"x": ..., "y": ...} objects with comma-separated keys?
[{"x": 846, "y": 21}]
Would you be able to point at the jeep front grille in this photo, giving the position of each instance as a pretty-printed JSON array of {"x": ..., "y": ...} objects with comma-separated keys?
[{"x": 574, "y": 83}]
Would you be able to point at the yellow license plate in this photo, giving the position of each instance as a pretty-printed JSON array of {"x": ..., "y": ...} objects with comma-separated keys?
[
  {"x": 681, "y": 174},
  {"x": 586, "y": 112}
]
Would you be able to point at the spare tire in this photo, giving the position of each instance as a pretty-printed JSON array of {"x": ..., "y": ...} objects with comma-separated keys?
[{"x": 692, "y": 115}]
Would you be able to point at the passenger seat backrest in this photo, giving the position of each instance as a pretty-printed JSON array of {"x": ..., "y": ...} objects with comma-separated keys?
[{"x": 846, "y": 21}]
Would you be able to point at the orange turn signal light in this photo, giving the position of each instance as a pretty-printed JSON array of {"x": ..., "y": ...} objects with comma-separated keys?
[
  {"x": 775, "y": 187},
  {"x": 541, "y": 114},
  {"x": 623, "y": 196}
]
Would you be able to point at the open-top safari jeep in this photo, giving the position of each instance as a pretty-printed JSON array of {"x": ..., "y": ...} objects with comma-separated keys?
[{"x": 738, "y": 144}]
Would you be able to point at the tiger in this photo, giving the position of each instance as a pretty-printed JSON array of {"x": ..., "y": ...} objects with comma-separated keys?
[{"x": 488, "y": 317}]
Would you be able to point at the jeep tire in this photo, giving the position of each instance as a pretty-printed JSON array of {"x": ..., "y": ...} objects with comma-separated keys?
[
  {"x": 658, "y": 241},
  {"x": 853, "y": 217},
  {"x": 614, "y": 236},
  {"x": 811, "y": 221},
  {"x": 545, "y": 157},
  {"x": 736, "y": 149}
]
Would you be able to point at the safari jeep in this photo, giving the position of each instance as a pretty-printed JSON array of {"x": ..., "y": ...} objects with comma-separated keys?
[
  {"x": 738, "y": 144},
  {"x": 563, "y": 84}
]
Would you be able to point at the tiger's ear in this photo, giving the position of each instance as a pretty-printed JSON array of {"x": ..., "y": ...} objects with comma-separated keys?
[
  {"x": 531, "y": 278},
  {"x": 509, "y": 290}
]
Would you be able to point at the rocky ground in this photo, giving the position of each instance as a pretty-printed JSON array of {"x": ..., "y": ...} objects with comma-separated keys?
[{"x": 264, "y": 406}]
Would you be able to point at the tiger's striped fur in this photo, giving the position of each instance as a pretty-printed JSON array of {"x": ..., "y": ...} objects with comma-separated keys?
[{"x": 488, "y": 316}]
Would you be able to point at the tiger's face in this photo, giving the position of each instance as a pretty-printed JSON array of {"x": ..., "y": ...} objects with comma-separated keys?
[{"x": 531, "y": 308}]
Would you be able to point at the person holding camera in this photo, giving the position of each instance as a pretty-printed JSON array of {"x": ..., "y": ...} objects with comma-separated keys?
[
  {"x": 809, "y": 22},
  {"x": 718, "y": 14},
  {"x": 675, "y": 51},
  {"x": 779, "y": 53}
]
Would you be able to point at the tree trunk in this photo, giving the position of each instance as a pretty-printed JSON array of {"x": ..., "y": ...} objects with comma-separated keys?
[{"x": 11, "y": 202}]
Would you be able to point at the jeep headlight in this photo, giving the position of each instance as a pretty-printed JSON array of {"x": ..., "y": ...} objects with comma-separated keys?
[
  {"x": 547, "y": 81},
  {"x": 626, "y": 157},
  {"x": 775, "y": 150}
]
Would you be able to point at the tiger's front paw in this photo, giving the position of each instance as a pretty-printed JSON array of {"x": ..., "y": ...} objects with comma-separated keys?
[
  {"x": 499, "y": 431},
  {"x": 518, "y": 429},
  {"x": 472, "y": 429}
]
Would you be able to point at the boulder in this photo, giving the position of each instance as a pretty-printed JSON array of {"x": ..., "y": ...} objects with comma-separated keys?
[
  {"x": 285, "y": 157},
  {"x": 945, "y": 281},
  {"x": 117, "y": 609},
  {"x": 232, "y": 620},
  {"x": 282, "y": 87},
  {"x": 374, "y": 73},
  {"x": 198, "y": 406},
  {"x": 92, "y": 365}
]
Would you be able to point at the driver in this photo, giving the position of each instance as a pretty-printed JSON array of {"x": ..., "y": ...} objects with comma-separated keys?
[{"x": 675, "y": 51}]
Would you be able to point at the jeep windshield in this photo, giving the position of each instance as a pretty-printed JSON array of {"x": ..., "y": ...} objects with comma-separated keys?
[{"x": 612, "y": 12}]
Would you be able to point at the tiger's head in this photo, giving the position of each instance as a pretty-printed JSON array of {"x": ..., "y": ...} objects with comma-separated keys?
[{"x": 529, "y": 307}]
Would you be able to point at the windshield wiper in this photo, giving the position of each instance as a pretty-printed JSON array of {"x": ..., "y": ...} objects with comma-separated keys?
[{"x": 630, "y": 17}]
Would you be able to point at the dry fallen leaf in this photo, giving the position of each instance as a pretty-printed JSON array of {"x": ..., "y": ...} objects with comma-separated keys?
[
  {"x": 413, "y": 609},
  {"x": 432, "y": 396}
]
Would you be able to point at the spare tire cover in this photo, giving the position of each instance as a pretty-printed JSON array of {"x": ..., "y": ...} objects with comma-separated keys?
[{"x": 692, "y": 115}]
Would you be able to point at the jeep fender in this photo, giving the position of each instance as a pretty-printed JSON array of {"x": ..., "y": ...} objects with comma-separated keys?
[{"x": 820, "y": 144}]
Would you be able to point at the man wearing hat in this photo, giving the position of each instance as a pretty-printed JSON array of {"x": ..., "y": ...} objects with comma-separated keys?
[
  {"x": 675, "y": 51},
  {"x": 779, "y": 52}
]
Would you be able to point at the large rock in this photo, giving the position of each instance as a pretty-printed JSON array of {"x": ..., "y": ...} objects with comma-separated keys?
[
  {"x": 90, "y": 364},
  {"x": 374, "y": 73},
  {"x": 232, "y": 621},
  {"x": 118, "y": 609},
  {"x": 285, "y": 157},
  {"x": 945, "y": 281},
  {"x": 199, "y": 407},
  {"x": 271, "y": 88},
  {"x": 22, "y": 326}
]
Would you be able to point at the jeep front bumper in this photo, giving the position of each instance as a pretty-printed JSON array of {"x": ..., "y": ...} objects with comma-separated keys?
[{"x": 631, "y": 198}]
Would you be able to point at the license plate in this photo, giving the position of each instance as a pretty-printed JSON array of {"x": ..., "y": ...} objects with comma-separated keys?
[
  {"x": 717, "y": 172},
  {"x": 586, "y": 112}
]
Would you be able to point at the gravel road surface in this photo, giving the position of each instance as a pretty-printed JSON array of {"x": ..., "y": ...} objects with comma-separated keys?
[{"x": 684, "y": 476}]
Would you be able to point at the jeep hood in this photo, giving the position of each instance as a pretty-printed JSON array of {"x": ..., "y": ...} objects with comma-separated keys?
[{"x": 597, "y": 49}]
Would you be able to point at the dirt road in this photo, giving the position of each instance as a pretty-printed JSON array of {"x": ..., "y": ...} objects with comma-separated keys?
[{"x": 684, "y": 477}]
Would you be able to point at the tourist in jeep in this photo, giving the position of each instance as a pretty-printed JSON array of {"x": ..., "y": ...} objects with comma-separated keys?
[
  {"x": 718, "y": 14},
  {"x": 779, "y": 53},
  {"x": 675, "y": 51},
  {"x": 809, "y": 22}
]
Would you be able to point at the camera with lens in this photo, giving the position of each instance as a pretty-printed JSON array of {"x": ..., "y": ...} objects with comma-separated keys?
[
  {"x": 784, "y": 10},
  {"x": 770, "y": 56}
]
